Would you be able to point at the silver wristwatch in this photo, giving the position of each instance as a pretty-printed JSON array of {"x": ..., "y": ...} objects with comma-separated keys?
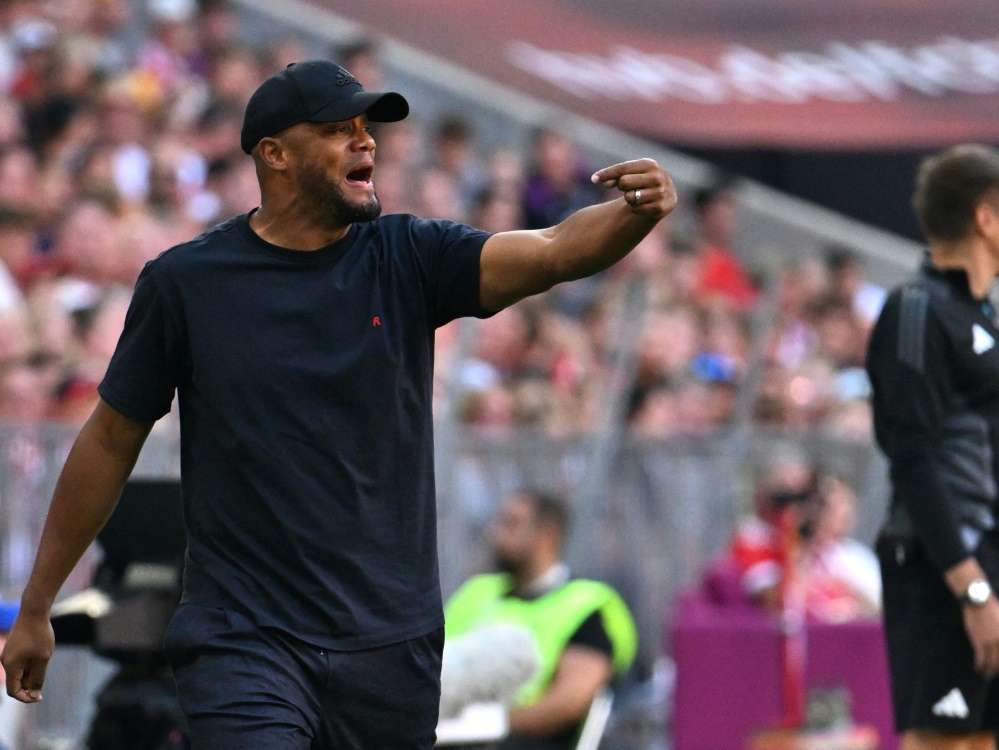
[{"x": 977, "y": 593}]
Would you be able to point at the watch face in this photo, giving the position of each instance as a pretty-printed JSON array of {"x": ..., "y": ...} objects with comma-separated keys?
[{"x": 979, "y": 591}]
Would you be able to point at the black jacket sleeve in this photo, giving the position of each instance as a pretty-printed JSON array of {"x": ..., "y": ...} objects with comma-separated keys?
[{"x": 908, "y": 362}]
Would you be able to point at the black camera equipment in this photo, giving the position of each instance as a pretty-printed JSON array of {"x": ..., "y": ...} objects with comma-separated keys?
[
  {"x": 124, "y": 615},
  {"x": 808, "y": 502},
  {"x": 782, "y": 498}
]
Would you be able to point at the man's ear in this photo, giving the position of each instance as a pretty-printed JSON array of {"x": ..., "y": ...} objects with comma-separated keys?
[
  {"x": 987, "y": 216},
  {"x": 273, "y": 154}
]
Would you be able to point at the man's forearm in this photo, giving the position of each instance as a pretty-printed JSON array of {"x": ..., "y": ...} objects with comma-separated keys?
[
  {"x": 958, "y": 577},
  {"x": 517, "y": 264},
  {"x": 543, "y": 719},
  {"x": 581, "y": 673},
  {"x": 85, "y": 495},
  {"x": 595, "y": 238}
]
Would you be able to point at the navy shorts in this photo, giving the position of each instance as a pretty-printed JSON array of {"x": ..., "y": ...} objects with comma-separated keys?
[
  {"x": 241, "y": 687},
  {"x": 935, "y": 685}
]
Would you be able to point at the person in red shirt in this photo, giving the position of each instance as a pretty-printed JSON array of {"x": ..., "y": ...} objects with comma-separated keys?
[
  {"x": 720, "y": 274},
  {"x": 755, "y": 549}
]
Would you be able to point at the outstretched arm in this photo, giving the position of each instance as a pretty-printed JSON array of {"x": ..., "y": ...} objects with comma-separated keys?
[
  {"x": 85, "y": 495},
  {"x": 517, "y": 264}
]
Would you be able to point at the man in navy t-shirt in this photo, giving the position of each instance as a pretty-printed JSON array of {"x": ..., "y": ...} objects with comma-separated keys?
[{"x": 299, "y": 341}]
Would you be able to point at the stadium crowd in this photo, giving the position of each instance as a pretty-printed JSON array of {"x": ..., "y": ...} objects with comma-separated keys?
[{"x": 115, "y": 145}]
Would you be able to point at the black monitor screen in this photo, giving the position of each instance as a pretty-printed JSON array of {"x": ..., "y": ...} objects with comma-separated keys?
[{"x": 146, "y": 526}]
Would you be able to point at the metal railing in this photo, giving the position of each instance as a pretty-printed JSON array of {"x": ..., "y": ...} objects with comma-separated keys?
[{"x": 667, "y": 507}]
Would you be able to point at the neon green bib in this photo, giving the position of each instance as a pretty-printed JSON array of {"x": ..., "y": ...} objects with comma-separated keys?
[{"x": 552, "y": 619}]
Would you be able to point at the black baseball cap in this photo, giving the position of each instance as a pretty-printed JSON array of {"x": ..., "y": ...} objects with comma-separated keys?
[{"x": 313, "y": 91}]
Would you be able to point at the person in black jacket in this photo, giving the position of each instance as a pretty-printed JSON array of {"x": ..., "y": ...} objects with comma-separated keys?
[{"x": 934, "y": 368}]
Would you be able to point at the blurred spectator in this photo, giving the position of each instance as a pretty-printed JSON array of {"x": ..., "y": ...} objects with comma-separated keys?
[
  {"x": 852, "y": 421},
  {"x": 809, "y": 393},
  {"x": 491, "y": 407},
  {"x": 560, "y": 182},
  {"x": 726, "y": 339},
  {"x": 849, "y": 286},
  {"x": 99, "y": 327},
  {"x": 363, "y": 59},
  {"x": 113, "y": 148},
  {"x": 839, "y": 576},
  {"x": 504, "y": 340},
  {"x": 655, "y": 411},
  {"x": 284, "y": 52},
  {"x": 439, "y": 196},
  {"x": 396, "y": 190},
  {"x": 584, "y": 635},
  {"x": 673, "y": 336},
  {"x": 18, "y": 178},
  {"x": 98, "y": 40},
  {"x": 235, "y": 74},
  {"x": 454, "y": 154},
  {"x": 721, "y": 275},
  {"x": 218, "y": 26},
  {"x": 505, "y": 174},
  {"x": 399, "y": 145},
  {"x": 755, "y": 549},
  {"x": 53, "y": 329},
  {"x": 18, "y": 250},
  {"x": 496, "y": 212},
  {"x": 85, "y": 243},
  {"x": 12, "y": 131},
  {"x": 235, "y": 183},
  {"x": 842, "y": 335},
  {"x": 23, "y": 394},
  {"x": 794, "y": 337},
  {"x": 173, "y": 53},
  {"x": 216, "y": 135},
  {"x": 842, "y": 575}
]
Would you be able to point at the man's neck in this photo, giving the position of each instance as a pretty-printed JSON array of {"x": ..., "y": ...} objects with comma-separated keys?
[
  {"x": 289, "y": 226},
  {"x": 972, "y": 257},
  {"x": 549, "y": 578}
]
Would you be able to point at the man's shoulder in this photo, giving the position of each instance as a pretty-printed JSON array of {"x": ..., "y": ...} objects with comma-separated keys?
[
  {"x": 588, "y": 595},
  {"x": 419, "y": 230},
  {"x": 927, "y": 287},
  {"x": 184, "y": 253},
  {"x": 484, "y": 585}
]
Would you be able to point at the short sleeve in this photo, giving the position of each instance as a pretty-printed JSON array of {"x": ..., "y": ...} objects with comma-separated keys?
[
  {"x": 592, "y": 634},
  {"x": 451, "y": 253},
  {"x": 144, "y": 371}
]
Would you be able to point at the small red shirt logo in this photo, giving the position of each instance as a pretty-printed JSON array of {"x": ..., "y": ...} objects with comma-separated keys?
[{"x": 376, "y": 321}]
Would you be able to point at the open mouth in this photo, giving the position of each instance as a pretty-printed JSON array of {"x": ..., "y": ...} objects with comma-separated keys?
[{"x": 361, "y": 177}]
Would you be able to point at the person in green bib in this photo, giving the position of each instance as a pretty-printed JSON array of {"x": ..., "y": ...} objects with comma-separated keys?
[{"x": 583, "y": 633}]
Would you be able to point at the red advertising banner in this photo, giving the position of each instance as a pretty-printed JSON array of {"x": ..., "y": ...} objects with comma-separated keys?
[{"x": 849, "y": 74}]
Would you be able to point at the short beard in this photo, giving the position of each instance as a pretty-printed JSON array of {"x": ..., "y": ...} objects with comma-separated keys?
[
  {"x": 329, "y": 206},
  {"x": 507, "y": 565}
]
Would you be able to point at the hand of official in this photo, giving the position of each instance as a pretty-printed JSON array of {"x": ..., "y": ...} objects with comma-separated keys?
[
  {"x": 982, "y": 624},
  {"x": 26, "y": 656},
  {"x": 646, "y": 186}
]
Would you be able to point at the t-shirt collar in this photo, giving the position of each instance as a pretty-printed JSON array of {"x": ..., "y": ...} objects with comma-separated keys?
[
  {"x": 555, "y": 577},
  {"x": 329, "y": 252}
]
